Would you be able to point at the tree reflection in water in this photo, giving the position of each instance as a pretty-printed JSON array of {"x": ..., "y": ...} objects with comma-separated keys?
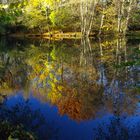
[
  {"x": 21, "y": 121},
  {"x": 80, "y": 79},
  {"x": 118, "y": 128}
]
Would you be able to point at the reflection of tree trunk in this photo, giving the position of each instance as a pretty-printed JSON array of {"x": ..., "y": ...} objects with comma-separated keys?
[
  {"x": 125, "y": 57},
  {"x": 86, "y": 58},
  {"x": 101, "y": 49},
  {"x": 62, "y": 69},
  {"x": 115, "y": 87},
  {"x": 101, "y": 25},
  {"x": 85, "y": 52},
  {"x": 102, "y": 68}
]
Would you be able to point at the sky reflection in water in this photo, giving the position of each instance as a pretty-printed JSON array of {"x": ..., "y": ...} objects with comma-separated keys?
[
  {"x": 85, "y": 89},
  {"x": 62, "y": 127}
]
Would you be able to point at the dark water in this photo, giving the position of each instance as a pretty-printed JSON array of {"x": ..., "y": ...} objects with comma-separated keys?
[{"x": 72, "y": 89}]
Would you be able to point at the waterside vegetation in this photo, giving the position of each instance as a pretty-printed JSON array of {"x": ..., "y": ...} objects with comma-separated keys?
[{"x": 69, "y": 18}]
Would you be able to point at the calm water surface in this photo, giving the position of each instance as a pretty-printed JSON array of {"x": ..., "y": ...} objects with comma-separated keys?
[{"x": 72, "y": 89}]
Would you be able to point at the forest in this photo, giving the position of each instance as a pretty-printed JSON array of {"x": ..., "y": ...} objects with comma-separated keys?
[
  {"x": 69, "y": 69},
  {"x": 86, "y": 17}
]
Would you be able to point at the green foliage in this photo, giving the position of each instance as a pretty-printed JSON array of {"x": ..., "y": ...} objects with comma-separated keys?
[
  {"x": 11, "y": 14},
  {"x": 134, "y": 23},
  {"x": 60, "y": 17}
]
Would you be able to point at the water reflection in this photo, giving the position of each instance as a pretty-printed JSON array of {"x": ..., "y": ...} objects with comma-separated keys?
[
  {"x": 118, "y": 128},
  {"x": 21, "y": 119},
  {"x": 85, "y": 79}
]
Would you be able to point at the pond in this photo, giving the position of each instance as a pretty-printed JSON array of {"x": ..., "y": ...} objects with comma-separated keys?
[{"x": 86, "y": 89}]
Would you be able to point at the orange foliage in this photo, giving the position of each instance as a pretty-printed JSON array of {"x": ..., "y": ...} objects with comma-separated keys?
[{"x": 77, "y": 103}]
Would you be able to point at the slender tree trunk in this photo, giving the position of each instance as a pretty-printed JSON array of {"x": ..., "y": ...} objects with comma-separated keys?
[
  {"x": 87, "y": 10},
  {"x": 120, "y": 13},
  {"x": 128, "y": 15},
  {"x": 92, "y": 16},
  {"x": 82, "y": 17}
]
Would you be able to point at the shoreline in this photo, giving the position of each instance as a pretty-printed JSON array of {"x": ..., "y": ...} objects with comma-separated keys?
[{"x": 57, "y": 35}]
